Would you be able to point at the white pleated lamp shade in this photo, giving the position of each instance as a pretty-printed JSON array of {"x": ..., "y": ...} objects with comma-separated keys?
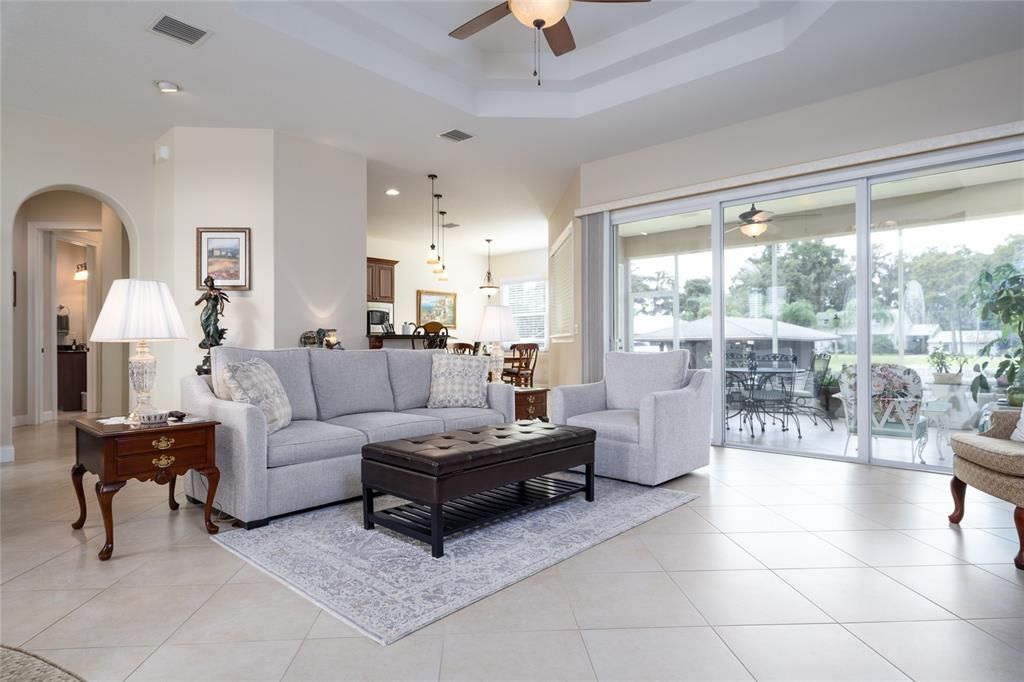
[
  {"x": 138, "y": 310},
  {"x": 498, "y": 325}
]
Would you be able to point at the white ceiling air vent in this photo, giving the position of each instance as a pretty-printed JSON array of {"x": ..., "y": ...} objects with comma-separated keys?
[
  {"x": 456, "y": 135},
  {"x": 178, "y": 30}
]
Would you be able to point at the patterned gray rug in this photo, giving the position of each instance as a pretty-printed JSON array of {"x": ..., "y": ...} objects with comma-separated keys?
[{"x": 386, "y": 585}]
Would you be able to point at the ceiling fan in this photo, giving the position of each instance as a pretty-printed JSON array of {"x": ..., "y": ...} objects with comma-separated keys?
[
  {"x": 754, "y": 222},
  {"x": 546, "y": 15}
]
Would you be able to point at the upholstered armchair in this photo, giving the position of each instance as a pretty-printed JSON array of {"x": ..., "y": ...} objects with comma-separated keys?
[{"x": 651, "y": 413}]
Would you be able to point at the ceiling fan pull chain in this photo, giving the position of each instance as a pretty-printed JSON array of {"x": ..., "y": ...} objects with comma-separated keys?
[{"x": 536, "y": 54}]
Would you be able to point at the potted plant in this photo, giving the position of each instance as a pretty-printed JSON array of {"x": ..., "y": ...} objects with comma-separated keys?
[
  {"x": 1000, "y": 294},
  {"x": 942, "y": 364},
  {"x": 826, "y": 393}
]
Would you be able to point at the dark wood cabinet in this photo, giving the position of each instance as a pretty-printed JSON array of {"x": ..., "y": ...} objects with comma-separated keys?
[
  {"x": 531, "y": 403},
  {"x": 71, "y": 379},
  {"x": 380, "y": 280}
]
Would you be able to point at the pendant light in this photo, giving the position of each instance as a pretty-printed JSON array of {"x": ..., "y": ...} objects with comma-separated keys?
[
  {"x": 489, "y": 287},
  {"x": 432, "y": 257},
  {"x": 443, "y": 275},
  {"x": 81, "y": 272},
  {"x": 439, "y": 264}
]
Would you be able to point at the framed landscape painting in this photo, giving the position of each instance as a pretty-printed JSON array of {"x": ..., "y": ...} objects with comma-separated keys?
[
  {"x": 435, "y": 306},
  {"x": 225, "y": 253}
]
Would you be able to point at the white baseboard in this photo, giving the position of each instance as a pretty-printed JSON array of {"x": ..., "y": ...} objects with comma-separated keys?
[
  {"x": 47, "y": 416},
  {"x": 20, "y": 420},
  {"x": 6, "y": 453}
]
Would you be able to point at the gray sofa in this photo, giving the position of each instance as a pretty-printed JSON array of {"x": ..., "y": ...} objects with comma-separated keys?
[
  {"x": 340, "y": 400},
  {"x": 652, "y": 416}
]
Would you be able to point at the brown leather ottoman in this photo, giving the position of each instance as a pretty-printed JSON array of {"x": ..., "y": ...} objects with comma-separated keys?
[{"x": 463, "y": 479}]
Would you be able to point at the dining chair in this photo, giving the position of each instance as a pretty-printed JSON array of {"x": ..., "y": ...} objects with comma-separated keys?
[
  {"x": 778, "y": 376},
  {"x": 521, "y": 364},
  {"x": 435, "y": 336},
  {"x": 462, "y": 348}
]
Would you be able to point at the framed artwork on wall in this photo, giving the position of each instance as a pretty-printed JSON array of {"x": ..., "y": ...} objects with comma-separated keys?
[
  {"x": 226, "y": 254},
  {"x": 435, "y": 306}
]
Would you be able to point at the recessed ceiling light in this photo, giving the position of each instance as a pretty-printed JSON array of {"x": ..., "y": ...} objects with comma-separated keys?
[
  {"x": 392, "y": 192},
  {"x": 167, "y": 86}
]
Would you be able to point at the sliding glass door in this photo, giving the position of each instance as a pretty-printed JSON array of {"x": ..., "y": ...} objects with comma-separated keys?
[
  {"x": 790, "y": 321},
  {"x": 932, "y": 235},
  {"x": 764, "y": 287}
]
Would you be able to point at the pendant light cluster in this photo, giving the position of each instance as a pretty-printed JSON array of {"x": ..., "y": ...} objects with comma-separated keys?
[
  {"x": 489, "y": 287},
  {"x": 437, "y": 228}
]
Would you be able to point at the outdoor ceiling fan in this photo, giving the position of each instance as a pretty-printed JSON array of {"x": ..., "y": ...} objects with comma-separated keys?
[
  {"x": 754, "y": 222},
  {"x": 546, "y": 15}
]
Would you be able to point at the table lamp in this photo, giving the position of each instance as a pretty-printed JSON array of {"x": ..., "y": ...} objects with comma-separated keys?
[
  {"x": 139, "y": 310},
  {"x": 498, "y": 327}
]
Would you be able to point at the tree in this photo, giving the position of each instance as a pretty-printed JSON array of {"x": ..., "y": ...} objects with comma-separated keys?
[
  {"x": 812, "y": 271},
  {"x": 799, "y": 313},
  {"x": 695, "y": 299}
]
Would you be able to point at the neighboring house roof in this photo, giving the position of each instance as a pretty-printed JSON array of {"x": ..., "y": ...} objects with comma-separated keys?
[
  {"x": 737, "y": 328},
  {"x": 968, "y": 336},
  {"x": 889, "y": 329}
]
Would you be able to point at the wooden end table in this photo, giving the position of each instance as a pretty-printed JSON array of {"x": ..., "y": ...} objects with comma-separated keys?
[
  {"x": 120, "y": 452},
  {"x": 531, "y": 403}
]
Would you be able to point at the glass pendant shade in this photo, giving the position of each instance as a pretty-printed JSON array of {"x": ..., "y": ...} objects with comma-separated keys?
[
  {"x": 432, "y": 258},
  {"x": 438, "y": 268},
  {"x": 81, "y": 272},
  {"x": 753, "y": 229},
  {"x": 539, "y": 13}
]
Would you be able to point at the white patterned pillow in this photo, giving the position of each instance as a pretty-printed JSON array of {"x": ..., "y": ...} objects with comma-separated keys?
[
  {"x": 458, "y": 381},
  {"x": 255, "y": 382}
]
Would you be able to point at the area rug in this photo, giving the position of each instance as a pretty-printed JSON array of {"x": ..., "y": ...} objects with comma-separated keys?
[
  {"x": 18, "y": 665},
  {"x": 386, "y": 585}
]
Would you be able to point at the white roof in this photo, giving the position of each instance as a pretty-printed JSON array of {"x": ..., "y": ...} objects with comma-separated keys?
[{"x": 742, "y": 328}]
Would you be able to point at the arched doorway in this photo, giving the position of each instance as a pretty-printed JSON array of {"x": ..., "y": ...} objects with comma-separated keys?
[{"x": 68, "y": 244}]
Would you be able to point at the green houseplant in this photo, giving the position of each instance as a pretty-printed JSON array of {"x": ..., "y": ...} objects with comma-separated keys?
[
  {"x": 1000, "y": 295},
  {"x": 942, "y": 363}
]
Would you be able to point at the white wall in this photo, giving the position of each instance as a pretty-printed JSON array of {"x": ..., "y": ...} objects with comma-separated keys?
[
  {"x": 467, "y": 271},
  {"x": 976, "y": 95},
  {"x": 319, "y": 241},
  {"x": 566, "y": 364},
  {"x": 220, "y": 177}
]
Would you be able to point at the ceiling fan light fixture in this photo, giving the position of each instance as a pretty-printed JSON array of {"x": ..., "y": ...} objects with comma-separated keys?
[
  {"x": 539, "y": 13},
  {"x": 754, "y": 229}
]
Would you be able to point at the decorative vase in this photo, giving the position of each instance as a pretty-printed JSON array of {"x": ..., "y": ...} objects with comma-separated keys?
[{"x": 952, "y": 378}]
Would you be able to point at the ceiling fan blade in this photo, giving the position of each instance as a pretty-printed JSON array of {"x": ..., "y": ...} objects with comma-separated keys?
[
  {"x": 560, "y": 38},
  {"x": 482, "y": 21}
]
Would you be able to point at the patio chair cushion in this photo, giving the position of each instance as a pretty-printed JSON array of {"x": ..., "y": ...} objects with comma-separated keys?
[
  {"x": 620, "y": 425},
  {"x": 997, "y": 454},
  {"x": 628, "y": 377}
]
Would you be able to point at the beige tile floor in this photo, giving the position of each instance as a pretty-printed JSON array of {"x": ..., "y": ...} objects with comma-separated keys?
[{"x": 785, "y": 568}]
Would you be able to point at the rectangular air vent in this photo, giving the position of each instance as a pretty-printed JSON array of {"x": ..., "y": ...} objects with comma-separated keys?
[
  {"x": 456, "y": 135},
  {"x": 179, "y": 30}
]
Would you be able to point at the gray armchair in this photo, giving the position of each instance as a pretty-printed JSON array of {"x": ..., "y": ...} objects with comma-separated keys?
[{"x": 652, "y": 416}]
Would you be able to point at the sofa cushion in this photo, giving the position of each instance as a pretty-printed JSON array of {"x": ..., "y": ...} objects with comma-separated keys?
[
  {"x": 628, "y": 377},
  {"x": 350, "y": 382},
  {"x": 290, "y": 364},
  {"x": 458, "y": 381},
  {"x": 455, "y": 418},
  {"x": 255, "y": 382},
  {"x": 310, "y": 441},
  {"x": 409, "y": 371},
  {"x": 620, "y": 425},
  {"x": 380, "y": 426},
  {"x": 997, "y": 454}
]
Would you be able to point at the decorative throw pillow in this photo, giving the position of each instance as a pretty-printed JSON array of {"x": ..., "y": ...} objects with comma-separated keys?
[
  {"x": 458, "y": 381},
  {"x": 255, "y": 382},
  {"x": 1018, "y": 431}
]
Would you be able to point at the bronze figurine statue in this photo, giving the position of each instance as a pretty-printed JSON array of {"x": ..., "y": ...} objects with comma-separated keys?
[{"x": 213, "y": 300}]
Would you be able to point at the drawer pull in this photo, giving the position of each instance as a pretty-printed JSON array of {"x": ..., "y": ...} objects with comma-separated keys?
[
  {"x": 163, "y": 461},
  {"x": 531, "y": 409},
  {"x": 163, "y": 443},
  {"x": 530, "y": 398}
]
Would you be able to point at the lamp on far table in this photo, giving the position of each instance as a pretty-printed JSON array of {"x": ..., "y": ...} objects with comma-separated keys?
[
  {"x": 498, "y": 327},
  {"x": 139, "y": 310}
]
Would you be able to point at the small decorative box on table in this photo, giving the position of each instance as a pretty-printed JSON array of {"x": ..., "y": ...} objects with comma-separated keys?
[
  {"x": 463, "y": 479},
  {"x": 120, "y": 452}
]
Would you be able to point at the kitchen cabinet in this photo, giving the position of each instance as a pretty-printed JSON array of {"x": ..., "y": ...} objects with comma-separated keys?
[{"x": 380, "y": 280}]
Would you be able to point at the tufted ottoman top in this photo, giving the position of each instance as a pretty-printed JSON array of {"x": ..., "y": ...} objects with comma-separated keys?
[{"x": 445, "y": 453}]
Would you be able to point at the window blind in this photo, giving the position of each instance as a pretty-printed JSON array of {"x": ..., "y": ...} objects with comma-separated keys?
[
  {"x": 560, "y": 281},
  {"x": 528, "y": 299}
]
